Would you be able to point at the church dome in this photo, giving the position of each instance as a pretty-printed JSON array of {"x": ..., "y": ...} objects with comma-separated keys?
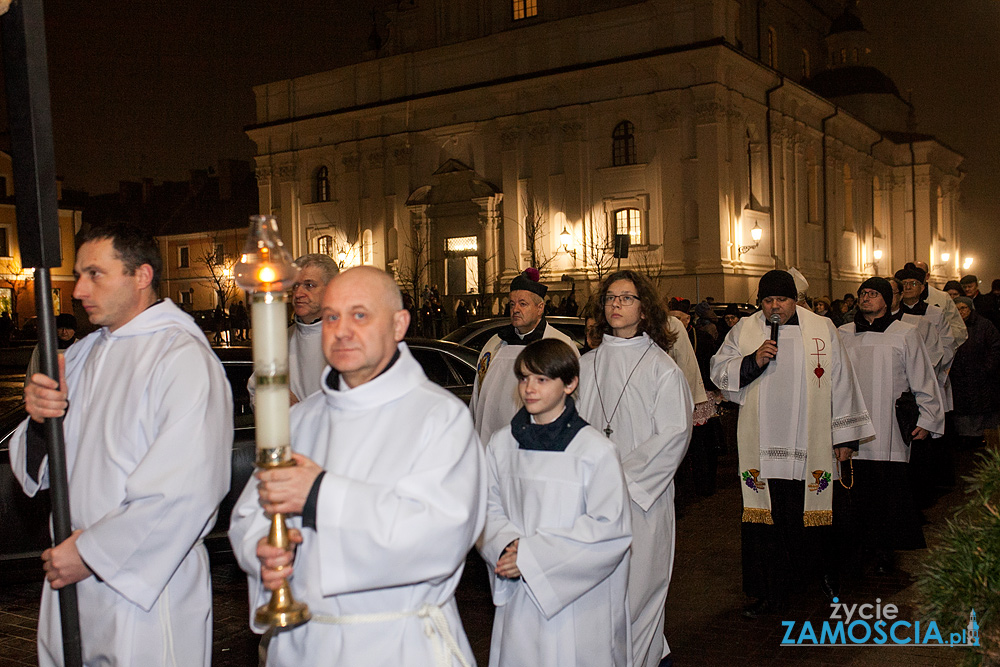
[
  {"x": 851, "y": 80},
  {"x": 848, "y": 21}
]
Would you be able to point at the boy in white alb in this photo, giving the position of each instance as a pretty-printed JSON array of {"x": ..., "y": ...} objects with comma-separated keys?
[{"x": 558, "y": 526}]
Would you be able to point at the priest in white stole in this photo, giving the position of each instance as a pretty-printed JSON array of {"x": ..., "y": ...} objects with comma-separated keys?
[
  {"x": 149, "y": 436},
  {"x": 889, "y": 358},
  {"x": 632, "y": 390},
  {"x": 305, "y": 345},
  {"x": 388, "y": 493},
  {"x": 801, "y": 411},
  {"x": 494, "y": 394}
]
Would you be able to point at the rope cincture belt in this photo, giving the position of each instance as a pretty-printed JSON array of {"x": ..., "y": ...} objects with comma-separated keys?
[{"x": 435, "y": 627}]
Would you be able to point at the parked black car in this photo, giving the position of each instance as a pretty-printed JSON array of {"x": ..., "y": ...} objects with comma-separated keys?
[
  {"x": 477, "y": 334},
  {"x": 25, "y": 520}
]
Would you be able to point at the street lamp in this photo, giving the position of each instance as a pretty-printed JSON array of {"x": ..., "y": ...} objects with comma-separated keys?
[
  {"x": 756, "y": 233},
  {"x": 267, "y": 270},
  {"x": 967, "y": 264},
  {"x": 876, "y": 256},
  {"x": 945, "y": 256},
  {"x": 566, "y": 238}
]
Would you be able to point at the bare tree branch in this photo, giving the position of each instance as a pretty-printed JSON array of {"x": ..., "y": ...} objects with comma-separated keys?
[
  {"x": 12, "y": 275},
  {"x": 220, "y": 271}
]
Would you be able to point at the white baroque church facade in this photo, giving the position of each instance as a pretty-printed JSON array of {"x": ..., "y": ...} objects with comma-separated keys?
[{"x": 480, "y": 137}]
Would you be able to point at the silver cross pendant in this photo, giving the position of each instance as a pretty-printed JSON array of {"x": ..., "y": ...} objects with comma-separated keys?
[{"x": 608, "y": 431}]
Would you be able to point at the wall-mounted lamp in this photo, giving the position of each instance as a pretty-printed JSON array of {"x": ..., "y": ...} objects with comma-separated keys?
[
  {"x": 566, "y": 238},
  {"x": 945, "y": 256},
  {"x": 341, "y": 258},
  {"x": 876, "y": 256},
  {"x": 967, "y": 264},
  {"x": 756, "y": 233}
]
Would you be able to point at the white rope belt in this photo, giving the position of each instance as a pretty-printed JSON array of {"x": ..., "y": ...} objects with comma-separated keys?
[{"x": 435, "y": 627}]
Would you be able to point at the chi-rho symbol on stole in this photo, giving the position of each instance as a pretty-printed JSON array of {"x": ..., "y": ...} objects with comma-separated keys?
[{"x": 819, "y": 354}]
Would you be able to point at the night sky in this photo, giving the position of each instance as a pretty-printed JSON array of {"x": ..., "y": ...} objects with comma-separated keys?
[{"x": 153, "y": 88}]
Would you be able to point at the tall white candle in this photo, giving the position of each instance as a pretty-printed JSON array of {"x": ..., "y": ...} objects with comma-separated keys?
[{"x": 270, "y": 363}]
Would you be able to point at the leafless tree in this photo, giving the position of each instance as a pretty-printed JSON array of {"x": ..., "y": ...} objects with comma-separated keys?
[
  {"x": 416, "y": 259},
  {"x": 219, "y": 266},
  {"x": 598, "y": 249},
  {"x": 535, "y": 227}
]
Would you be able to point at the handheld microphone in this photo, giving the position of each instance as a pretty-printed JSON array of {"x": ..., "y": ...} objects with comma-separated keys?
[{"x": 775, "y": 320}]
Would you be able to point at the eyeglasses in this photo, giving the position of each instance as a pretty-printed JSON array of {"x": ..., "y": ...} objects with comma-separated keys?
[
  {"x": 623, "y": 299},
  {"x": 869, "y": 294},
  {"x": 910, "y": 284}
]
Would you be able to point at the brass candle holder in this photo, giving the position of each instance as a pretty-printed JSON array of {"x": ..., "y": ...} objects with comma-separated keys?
[{"x": 267, "y": 270}]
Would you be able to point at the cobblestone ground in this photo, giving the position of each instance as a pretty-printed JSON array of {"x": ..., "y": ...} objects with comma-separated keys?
[{"x": 704, "y": 625}]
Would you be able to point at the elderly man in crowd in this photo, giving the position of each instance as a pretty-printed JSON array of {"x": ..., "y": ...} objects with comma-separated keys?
[
  {"x": 383, "y": 519},
  {"x": 801, "y": 413},
  {"x": 494, "y": 395},
  {"x": 305, "y": 349}
]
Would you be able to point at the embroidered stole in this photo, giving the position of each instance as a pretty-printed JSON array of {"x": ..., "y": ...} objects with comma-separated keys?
[{"x": 819, "y": 449}]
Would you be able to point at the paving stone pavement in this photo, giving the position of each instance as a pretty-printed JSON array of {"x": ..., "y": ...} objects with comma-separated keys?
[{"x": 703, "y": 621}]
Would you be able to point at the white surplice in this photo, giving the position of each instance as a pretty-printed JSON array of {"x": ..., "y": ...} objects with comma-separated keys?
[
  {"x": 651, "y": 427},
  {"x": 887, "y": 364},
  {"x": 149, "y": 435},
  {"x": 570, "y": 511},
  {"x": 956, "y": 324},
  {"x": 784, "y": 426},
  {"x": 306, "y": 362},
  {"x": 683, "y": 355},
  {"x": 402, "y": 503},
  {"x": 495, "y": 400},
  {"x": 941, "y": 356}
]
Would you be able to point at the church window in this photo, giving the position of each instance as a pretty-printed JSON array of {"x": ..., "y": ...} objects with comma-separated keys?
[
  {"x": 322, "y": 184},
  {"x": 183, "y": 257},
  {"x": 805, "y": 64},
  {"x": 623, "y": 144},
  {"x": 525, "y": 9},
  {"x": 629, "y": 221},
  {"x": 843, "y": 56},
  {"x": 854, "y": 55},
  {"x": 772, "y": 48},
  {"x": 324, "y": 245},
  {"x": 4, "y": 243}
]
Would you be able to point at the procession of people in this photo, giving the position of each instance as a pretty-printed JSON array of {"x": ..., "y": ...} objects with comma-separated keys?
[{"x": 561, "y": 472}]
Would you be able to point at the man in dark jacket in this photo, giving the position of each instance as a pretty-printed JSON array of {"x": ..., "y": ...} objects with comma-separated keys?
[{"x": 974, "y": 376}]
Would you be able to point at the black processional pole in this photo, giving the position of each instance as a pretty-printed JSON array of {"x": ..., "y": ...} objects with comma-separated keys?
[{"x": 30, "y": 123}]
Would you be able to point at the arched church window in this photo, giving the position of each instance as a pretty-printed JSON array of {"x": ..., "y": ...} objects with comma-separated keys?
[
  {"x": 629, "y": 221},
  {"x": 623, "y": 144},
  {"x": 772, "y": 48},
  {"x": 366, "y": 247},
  {"x": 324, "y": 245},
  {"x": 805, "y": 64},
  {"x": 322, "y": 184}
]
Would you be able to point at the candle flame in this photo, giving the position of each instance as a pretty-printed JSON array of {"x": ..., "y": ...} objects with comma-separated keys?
[{"x": 266, "y": 274}]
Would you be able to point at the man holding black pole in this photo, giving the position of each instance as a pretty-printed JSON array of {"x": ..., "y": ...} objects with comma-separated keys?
[{"x": 148, "y": 423}]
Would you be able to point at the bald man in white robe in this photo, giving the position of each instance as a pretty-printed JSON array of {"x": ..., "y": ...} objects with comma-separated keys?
[{"x": 387, "y": 497}]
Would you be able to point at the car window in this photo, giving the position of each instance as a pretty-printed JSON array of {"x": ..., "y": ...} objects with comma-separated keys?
[
  {"x": 464, "y": 371},
  {"x": 238, "y": 373},
  {"x": 434, "y": 366},
  {"x": 479, "y": 341}
]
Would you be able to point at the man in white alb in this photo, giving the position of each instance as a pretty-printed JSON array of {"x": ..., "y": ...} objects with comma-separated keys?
[
  {"x": 494, "y": 394},
  {"x": 889, "y": 358},
  {"x": 801, "y": 412},
  {"x": 149, "y": 433},
  {"x": 388, "y": 495},
  {"x": 305, "y": 346}
]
